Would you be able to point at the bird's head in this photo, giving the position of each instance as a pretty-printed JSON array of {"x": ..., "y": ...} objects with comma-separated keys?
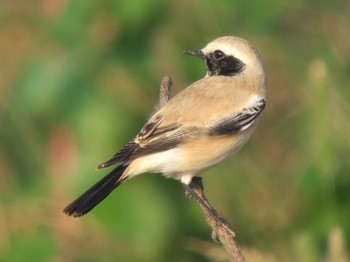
[{"x": 229, "y": 56}]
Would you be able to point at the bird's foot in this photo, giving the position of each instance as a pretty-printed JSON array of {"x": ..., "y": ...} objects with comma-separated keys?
[
  {"x": 195, "y": 189},
  {"x": 221, "y": 222}
]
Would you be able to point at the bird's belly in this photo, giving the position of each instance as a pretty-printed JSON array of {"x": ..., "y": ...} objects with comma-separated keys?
[
  {"x": 208, "y": 152},
  {"x": 190, "y": 158}
]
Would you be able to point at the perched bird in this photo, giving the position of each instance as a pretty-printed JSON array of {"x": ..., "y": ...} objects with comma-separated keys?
[{"x": 198, "y": 128}]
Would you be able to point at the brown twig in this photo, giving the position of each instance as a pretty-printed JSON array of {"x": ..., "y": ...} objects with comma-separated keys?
[
  {"x": 221, "y": 228},
  {"x": 164, "y": 94}
]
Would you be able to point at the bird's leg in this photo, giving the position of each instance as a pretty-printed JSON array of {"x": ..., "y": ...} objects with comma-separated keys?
[{"x": 195, "y": 189}]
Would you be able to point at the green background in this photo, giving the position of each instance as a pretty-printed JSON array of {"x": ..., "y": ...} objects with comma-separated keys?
[{"x": 79, "y": 78}]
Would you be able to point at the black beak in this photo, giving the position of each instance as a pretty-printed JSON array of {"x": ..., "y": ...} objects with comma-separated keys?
[{"x": 195, "y": 53}]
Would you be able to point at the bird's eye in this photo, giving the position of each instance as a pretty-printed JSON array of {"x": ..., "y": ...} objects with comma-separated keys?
[{"x": 218, "y": 54}]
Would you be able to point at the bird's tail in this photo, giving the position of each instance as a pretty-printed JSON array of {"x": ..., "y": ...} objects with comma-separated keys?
[{"x": 96, "y": 193}]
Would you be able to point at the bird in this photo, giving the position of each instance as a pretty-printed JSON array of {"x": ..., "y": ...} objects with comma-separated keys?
[{"x": 196, "y": 129}]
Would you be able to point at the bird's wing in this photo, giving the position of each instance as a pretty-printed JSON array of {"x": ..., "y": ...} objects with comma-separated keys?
[
  {"x": 238, "y": 121},
  {"x": 122, "y": 155},
  {"x": 151, "y": 139}
]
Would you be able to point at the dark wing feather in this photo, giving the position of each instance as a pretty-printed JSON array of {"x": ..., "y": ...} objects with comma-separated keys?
[
  {"x": 121, "y": 156},
  {"x": 151, "y": 139},
  {"x": 238, "y": 121},
  {"x": 162, "y": 139}
]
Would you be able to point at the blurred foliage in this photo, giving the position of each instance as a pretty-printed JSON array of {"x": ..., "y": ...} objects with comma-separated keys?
[{"x": 79, "y": 78}]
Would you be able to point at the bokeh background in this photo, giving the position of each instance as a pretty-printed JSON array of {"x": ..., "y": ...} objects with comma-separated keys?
[{"x": 79, "y": 78}]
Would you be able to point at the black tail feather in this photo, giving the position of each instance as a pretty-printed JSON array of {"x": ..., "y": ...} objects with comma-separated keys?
[{"x": 96, "y": 193}]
